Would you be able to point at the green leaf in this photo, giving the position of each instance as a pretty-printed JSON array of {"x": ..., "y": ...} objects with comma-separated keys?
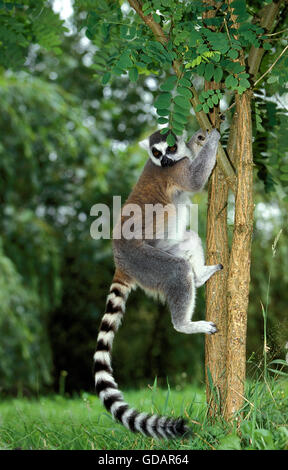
[
  {"x": 169, "y": 84},
  {"x": 179, "y": 110},
  {"x": 163, "y": 112},
  {"x": 118, "y": 71},
  {"x": 273, "y": 79},
  {"x": 162, "y": 120},
  {"x": 235, "y": 67},
  {"x": 146, "y": 7},
  {"x": 184, "y": 92},
  {"x": 206, "y": 108},
  {"x": 243, "y": 82},
  {"x": 210, "y": 103},
  {"x": 201, "y": 69},
  {"x": 233, "y": 54},
  {"x": 165, "y": 130},
  {"x": 198, "y": 108},
  {"x": 163, "y": 100},
  {"x": 106, "y": 78},
  {"x": 127, "y": 32},
  {"x": 240, "y": 89},
  {"x": 209, "y": 72},
  {"x": 177, "y": 130},
  {"x": 231, "y": 82},
  {"x": 156, "y": 18},
  {"x": 202, "y": 98},
  {"x": 146, "y": 59},
  {"x": 177, "y": 124},
  {"x": 218, "y": 74},
  {"x": 182, "y": 102},
  {"x": 133, "y": 74},
  {"x": 182, "y": 118},
  {"x": 185, "y": 82},
  {"x": 124, "y": 61},
  {"x": 171, "y": 140}
]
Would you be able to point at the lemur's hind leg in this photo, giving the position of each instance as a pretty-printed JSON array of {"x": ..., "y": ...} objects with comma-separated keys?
[
  {"x": 157, "y": 270},
  {"x": 191, "y": 249},
  {"x": 181, "y": 292}
]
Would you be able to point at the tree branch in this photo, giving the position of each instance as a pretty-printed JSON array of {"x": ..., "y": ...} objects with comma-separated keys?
[
  {"x": 271, "y": 67},
  {"x": 268, "y": 15},
  {"x": 202, "y": 118}
]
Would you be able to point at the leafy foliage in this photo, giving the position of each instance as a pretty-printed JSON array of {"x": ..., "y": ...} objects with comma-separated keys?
[
  {"x": 25, "y": 352},
  {"x": 31, "y": 215},
  {"x": 24, "y": 22},
  {"x": 271, "y": 161},
  {"x": 204, "y": 40},
  {"x": 205, "y": 45}
]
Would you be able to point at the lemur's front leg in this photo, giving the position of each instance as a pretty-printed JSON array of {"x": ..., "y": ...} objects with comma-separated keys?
[{"x": 202, "y": 166}]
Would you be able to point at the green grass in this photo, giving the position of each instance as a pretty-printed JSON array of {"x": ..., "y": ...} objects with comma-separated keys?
[{"x": 57, "y": 422}]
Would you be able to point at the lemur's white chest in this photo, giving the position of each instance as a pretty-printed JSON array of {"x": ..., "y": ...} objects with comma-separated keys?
[
  {"x": 177, "y": 224},
  {"x": 181, "y": 201}
]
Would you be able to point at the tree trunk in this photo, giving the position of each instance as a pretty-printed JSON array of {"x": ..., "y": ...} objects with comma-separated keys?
[
  {"x": 240, "y": 258},
  {"x": 217, "y": 251},
  {"x": 216, "y": 302}
]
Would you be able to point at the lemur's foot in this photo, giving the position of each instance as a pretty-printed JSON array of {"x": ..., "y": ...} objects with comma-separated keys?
[
  {"x": 207, "y": 327},
  {"x": 211, "y": 328}
]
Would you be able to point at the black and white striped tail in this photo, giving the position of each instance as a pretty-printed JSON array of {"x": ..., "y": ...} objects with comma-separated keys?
[{"x": 107, "y": 388}]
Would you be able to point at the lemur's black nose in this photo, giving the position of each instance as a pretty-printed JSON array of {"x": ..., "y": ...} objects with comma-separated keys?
[{"x": 165, "y": 161}]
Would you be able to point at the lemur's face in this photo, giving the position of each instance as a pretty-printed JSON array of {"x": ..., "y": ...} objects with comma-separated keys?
[{"x": 161, "y": 153}]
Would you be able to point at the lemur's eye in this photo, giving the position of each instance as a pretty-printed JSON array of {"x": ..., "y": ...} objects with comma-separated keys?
[
  {"x": 201, "y": 137},
  {"x": 172, "y": 149},
  {"x": 156, "y": 153}
]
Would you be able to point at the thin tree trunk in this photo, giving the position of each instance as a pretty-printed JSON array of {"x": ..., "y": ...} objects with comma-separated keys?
[
  {"x": 216, "y": 301},
  {"x": 240, "y": 259},
  {"x": 217, "y": 251}
]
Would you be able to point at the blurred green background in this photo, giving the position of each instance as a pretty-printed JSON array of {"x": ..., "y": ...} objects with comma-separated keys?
[{"x": 66, "y": 144}]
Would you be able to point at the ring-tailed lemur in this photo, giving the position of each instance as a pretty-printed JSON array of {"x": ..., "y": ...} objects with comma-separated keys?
[{"x": 171, "y": 267}]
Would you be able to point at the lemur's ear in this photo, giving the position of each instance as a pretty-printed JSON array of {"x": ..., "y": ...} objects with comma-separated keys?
[{"x": 144, "y": 144}]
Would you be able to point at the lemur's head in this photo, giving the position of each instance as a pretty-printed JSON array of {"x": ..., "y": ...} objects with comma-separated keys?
[{"x": 161, "y": 153}]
